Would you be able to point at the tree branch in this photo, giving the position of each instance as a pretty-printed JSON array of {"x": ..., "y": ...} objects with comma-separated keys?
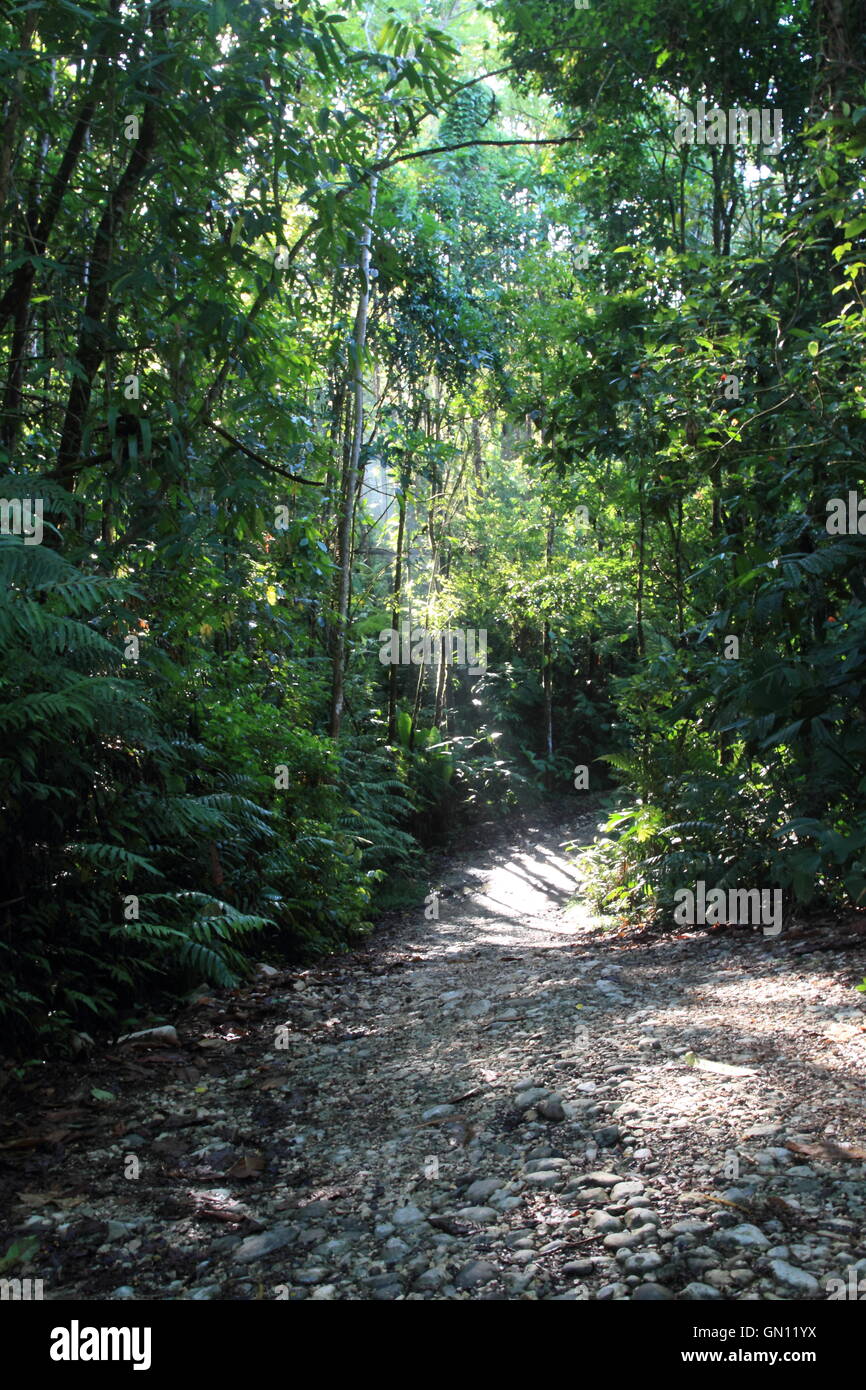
[
  {"x": 468, "y": 145},
  {"x": 257, "y": 458}
]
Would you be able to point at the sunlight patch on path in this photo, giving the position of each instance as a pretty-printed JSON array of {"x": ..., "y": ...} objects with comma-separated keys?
[{"x": 531, "y": 891}]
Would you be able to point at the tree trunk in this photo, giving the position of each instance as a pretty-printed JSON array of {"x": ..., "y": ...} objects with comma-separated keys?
[
  {"x": 20, "y": 288},
  {"x": 547, "y": 668},
  {"x": 396, "y": 605},
  {"x": 90, "y": 350},
  {"x": 641, "y": 568},
  {"x": 13, "y": 111},
  {"x": 350, "y": 472}
]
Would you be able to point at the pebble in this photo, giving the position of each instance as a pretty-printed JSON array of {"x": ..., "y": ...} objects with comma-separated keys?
[
  {"x": 474, "y": 1273},
  {"x": 551, "y": 1109},
  {"x": 408, "y": 1216},
  {"x": 641, "y": 1216},
  {"x": 793, "y": 1278},
  {"x": 691, "y": 1228},
  {"x": 604, "y": 1224},
  {"x": 255, "y": 1247},
  {"x": 480, "y": 1215},
  {"x": 600, "y": 1179},
  {"x": 438, "y": 1112},
  {"x": 745, "y": 1237},
  {"x": 626, "y": 1189},
  {"x": 546, "y": 1092},
  {"x": 526, "y": 1099},
  {"x": 626, "y": 1240},
  {"x": 483, "y": 1188},
  {"x": 642, "y": 1262},
  {"x": 543, "y": 1179},
  {"x": 607, "y": 1137}
]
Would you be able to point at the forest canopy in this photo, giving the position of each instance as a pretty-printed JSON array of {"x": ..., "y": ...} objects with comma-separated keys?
[{"x": 408, "y": 412}]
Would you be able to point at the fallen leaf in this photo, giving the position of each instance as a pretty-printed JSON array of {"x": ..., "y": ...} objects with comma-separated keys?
[
  {"x": 220, "y": 1214},
  {"x": 247, "y": 1167},
  {"x": 852, "y": 1153},
  {"x": 720, "y": 1068},
  {"x": 467, "y": 1095},
  {"x": 19, "y": 1253},
  {"x": 32, "y": 1141},
  {"x": 148, "y": 1037}
]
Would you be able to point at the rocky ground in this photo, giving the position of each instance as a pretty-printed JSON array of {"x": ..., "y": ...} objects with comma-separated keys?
[{"x": 509, "y": 1102}]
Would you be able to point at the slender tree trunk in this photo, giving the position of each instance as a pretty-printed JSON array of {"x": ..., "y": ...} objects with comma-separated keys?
[
  {"x": 419, "y": 690},
  {"x": 441, "y": 687},
  {"x": 13, "y": 111},
  {"x": 676, "y": 533},
  {"x": 717, "y": 178},
  {"x": 477, "y": 459},
  {"x": 396, "y": 605},
  {"x": 344, "y": 544},
  {"x": 716, "y": 485},
  {"x": 20, "y": 287},
  {"x": 641, "y": 567},
  {"x": 90, "y": 350},
  {"x": 547, "y": 666},
  {"x": 444, "y": 652}
]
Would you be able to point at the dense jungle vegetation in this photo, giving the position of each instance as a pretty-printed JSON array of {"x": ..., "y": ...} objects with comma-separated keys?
[{"x": 320, "y": 322}]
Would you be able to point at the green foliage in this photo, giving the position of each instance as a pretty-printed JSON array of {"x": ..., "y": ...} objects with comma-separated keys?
[
  {"x": 20, "y": 1252},
  {"x": 532, "y": 436}
]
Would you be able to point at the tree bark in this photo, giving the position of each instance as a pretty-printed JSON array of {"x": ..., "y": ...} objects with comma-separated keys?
[
  {"x": 396, "y": 603},
  {"x": 20, "y": 289},
  {"x": 350, "y": 472},
  {"x": 13, "y": 111},
  {"x": 641, "y": 568},
  {"x": 90, "y": 349},
  {"x": 547, "y": 668}
]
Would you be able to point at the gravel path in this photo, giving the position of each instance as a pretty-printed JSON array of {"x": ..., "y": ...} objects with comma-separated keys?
[{"x": 508, "y": 1102}]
